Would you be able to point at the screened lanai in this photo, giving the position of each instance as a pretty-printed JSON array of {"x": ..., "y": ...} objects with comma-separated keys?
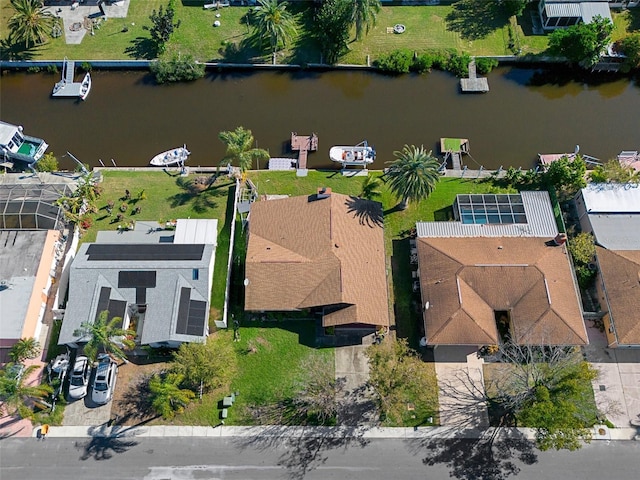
[{"x": 30, "y": 206}]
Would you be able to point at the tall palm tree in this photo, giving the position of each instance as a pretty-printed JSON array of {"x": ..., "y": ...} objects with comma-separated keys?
[
  {"x": 413, "y": 175},
  {"x": 15, "y": 395},
  {"x": 364, "y": 15},
  {"x": 370, "y": 188},
  {"x": 31, "y": 22},
  {"x": 240, "y": 149},
  {"x": 23, "y": 349},
  {"x": 105, "y": 335},
  {"x": 167, "y": 398},
  {"x": 274, "y": 23}
]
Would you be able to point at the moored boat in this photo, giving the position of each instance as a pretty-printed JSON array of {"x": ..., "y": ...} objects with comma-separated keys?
[
  {"x": 360, "y": 154},
  {"x": 85, "y": 86},
  {"x": 16, "y": 146},
  {"x": 175, "y": 156}
]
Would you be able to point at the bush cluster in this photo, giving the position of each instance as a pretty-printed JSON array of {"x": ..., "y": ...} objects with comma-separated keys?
[
  {"x": 179, "y": 68},
  {"x": 405, "y": 61}
]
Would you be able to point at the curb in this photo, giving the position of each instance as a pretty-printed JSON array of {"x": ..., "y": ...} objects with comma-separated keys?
[{"x": 417, "y": 433}]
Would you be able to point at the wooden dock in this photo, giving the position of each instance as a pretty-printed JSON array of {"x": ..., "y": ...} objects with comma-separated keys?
[
  {"x": 303, "y": 144},
  {"x": 454, "y": 148},
  {"x": 474, "y": 84}
]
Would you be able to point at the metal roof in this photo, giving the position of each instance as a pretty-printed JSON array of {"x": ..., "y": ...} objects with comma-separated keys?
[
  {"x": 540, "y": 223},
  {"x": 616, "y": 231},
  {"x": 203, "y": 231},
  {"x": 611, "y": 198},
  {"x": 562, "y": 10},
  {"x": 585, "y": 10}
]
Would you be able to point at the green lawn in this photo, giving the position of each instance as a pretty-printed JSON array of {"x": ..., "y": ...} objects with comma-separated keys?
[
  {"x": 166, "y": 200},
  {"x": 426, "y": 28},
  {"x": 268, "y": 355}
]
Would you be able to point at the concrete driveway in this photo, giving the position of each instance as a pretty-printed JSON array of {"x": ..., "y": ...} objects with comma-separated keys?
[
  {"x": 617, "y": 388},
  {"x": 85, "y": 412}
]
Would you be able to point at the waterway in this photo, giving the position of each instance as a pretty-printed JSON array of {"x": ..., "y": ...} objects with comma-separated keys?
[{"x": 129, "y": 119}]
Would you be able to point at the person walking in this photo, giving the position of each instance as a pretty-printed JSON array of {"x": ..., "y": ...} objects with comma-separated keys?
[{"x": 44, "y": 429}]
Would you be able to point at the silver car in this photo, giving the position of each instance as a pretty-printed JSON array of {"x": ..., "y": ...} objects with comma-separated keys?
[
  {"x": 79, "y": 380},
  {"x": 104, "y": 383}
]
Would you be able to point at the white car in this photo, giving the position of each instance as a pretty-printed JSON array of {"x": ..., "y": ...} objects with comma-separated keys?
[
  {"x": 104, "y": 383},
  {"x": 79, "y": 380}
]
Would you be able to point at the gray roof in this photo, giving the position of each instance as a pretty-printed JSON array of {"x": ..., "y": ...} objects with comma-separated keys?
[
  {"x": 19, "y": 260},
  {"x": 616, "y": 231},
  {"x": 611, "y": 198},
  {"x": 540, "y": 223},
  {"x": 90, "y": 273},
  {"x": 585, "y": 10}
]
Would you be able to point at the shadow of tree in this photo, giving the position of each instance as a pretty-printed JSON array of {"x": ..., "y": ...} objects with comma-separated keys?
[
  {"x": 368, "y": 212},
  {"x": 201, "y": 191},
  {"x": 10, "y": 50},
  {"x": 103, "y": 445},
  {"x": 486, "y": 458},
  {"x": 142, "y": 48},
  {"x": 474, "y": 19},
  {"x": 306, "y": 449},
  {"x": 136, "y": 401}
]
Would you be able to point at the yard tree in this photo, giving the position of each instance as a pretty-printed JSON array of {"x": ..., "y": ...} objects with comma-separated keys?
[
  {"x": 16, "y": 396},
  {"x": 398, "y": 378},
  {"x": 48, "y": 163},
  {"x": 162, "y": 27},
  {"x": 166, "y": 396},
  {"x": 614, "y": 171},
  {"x": 105, "y": 336},
  {"x": 513, "y": 7},
  {"x": 363, "y": 15},
  {"x": 240, "y": 148},
  {"x": 413, "y": 175},
  {"x": 205, "y": 366},
  {"x": 544, "y": 387},
  {"x": 566, "y": 175},
  {"x": 582, "y": 43},
  {"x": 274, "y": 23},
  {"x": 23, "y": 349},
  {"x": 331, "y": 26},
  {"x": 31, "y": 22},
  {"x": 630, "y": 46},
  {"x": 582, "y": 248}
]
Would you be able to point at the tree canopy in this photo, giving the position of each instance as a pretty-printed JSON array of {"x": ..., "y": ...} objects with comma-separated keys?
[
  {"x": 332, "y": 24},
  {"x": 274, "y": 23},
  {"x": 566, "y": 175},
  {"x": 163, "y": 24},
  {"x": 240, "y": 149},
  {"x": 31, "y": 22},
  {"x": 614, "y": 171},
  {"x": 167, "y": 398},
  {"x": 363, "y": 15},
  {"x": 106, "y": 335},
  {"x": 582, "y": 43},
  {"x": 413, "y": 175}
]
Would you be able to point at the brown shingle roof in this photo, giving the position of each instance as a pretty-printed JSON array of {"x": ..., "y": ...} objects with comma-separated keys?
[
  {"x": 466, "y": 280},
  {"x": 305, "y": 252},
  {"x": 620, "y": 271}
]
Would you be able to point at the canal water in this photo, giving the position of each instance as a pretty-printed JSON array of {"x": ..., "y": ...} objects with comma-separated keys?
[{"x": 129, "y": 119}]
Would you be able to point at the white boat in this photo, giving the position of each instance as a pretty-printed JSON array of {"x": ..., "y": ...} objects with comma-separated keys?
[
  {"x": 175, "y": 156},
  {"x": 360, "y": 154},
  {"x": 85, "y": 86}
]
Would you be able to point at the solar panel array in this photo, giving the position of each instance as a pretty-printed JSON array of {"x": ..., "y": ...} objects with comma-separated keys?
[
  {"x": 191, "y": 314},
  {"x": 141, "y": 252},
  {"x": 490, "y": 209}
]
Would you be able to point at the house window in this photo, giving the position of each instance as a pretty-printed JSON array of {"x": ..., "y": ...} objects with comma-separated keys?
[{"x": 195, "y": 274}]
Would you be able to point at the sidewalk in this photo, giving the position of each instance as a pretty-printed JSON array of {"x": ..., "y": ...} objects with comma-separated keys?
[{"x": 323, "y": 432}]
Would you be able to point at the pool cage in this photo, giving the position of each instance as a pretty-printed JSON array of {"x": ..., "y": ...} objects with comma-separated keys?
[{"x": 32, "y": 206}]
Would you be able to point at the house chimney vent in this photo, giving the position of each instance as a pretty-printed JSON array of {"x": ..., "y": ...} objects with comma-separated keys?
[{"x": 324, "y": 192}]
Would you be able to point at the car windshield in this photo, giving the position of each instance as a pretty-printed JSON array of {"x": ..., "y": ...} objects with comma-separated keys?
[
  {"x": 101, "y": 387},
  {"x": 77, "y": 381}
]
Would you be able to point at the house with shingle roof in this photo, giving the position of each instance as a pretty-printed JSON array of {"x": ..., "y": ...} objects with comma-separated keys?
[
  {"x": 323, "y": 253},
  {"x": 611, "y": 212},
  {"x": 496, "y": 273},
  {"x": 157, "y": 281}
]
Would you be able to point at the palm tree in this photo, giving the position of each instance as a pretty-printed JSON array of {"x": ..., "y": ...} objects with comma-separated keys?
[
  {"x": 23, "y": 349},
  {"x": 167, "y": 398},
  {"x": 413, "y": 176},
  {"x": 106, "y": 335},
  {"x": 15, "y": 395},
  {"x": 275, "y": 23},
  {"x": 239, "y": 144},
  {"x": 370, "y": 188},
  {"x": 30, "y": 22},
  {"x": 364, "y": 15}
]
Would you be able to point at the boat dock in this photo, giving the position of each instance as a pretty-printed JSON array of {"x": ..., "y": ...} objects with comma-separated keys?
[
  {"x": 67, "y": 87},
  {"x": 454, "y": 148},
  {"x": 474, "y": 84},
  {"x": 303, "y": 144}
]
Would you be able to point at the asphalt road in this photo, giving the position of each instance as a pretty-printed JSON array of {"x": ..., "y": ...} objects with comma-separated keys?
[{"x": 312, "y": 458}]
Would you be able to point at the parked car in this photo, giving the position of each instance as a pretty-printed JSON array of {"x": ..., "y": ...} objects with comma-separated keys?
[
  {"x": 104, "y": 382},
  {"x": 79, "y": 379}
]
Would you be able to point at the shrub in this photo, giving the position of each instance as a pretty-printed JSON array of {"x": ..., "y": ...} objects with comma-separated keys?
[
  {"x": 180, "y": 68},
  {"x": 86, "y": 223},
  {"x": 86, "y": 66},
  {"x": 485, "y": 65},
  {"x": 48, "y": 163},
  {"x": 423, "y": 63},
  {"x": 458, "y": 64},
  {"x": 52, "y": 68},
  {"x": 398, "y": 61}
]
